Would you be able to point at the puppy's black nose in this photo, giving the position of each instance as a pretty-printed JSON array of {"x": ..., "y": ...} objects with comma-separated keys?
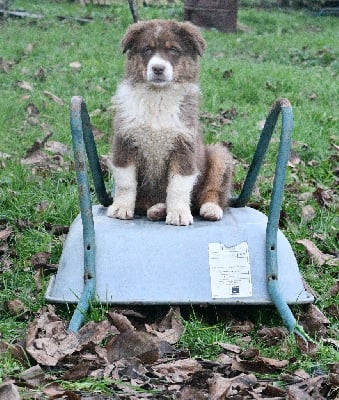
[{"x": 158, "y": 69}]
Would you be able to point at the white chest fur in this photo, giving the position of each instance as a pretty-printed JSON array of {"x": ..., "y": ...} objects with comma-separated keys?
[
  {"x": 158, "y": 109},
  {"x": 152, "y": 118}
]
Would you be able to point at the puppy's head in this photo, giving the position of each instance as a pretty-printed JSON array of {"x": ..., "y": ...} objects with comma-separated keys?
[{"x": 160, "y": 52}]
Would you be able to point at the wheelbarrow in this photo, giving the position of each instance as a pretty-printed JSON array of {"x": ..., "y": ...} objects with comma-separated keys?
[{"x": 244, "y": 259}]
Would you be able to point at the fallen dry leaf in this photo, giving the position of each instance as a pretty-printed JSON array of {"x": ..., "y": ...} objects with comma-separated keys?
[
  {"x": 16, "y": 351},
  {"x": 38, "y": 158},
  {"x": 333, "y": 376},
  {"x": 32, "y": 110},
  {"x": 38, "y": 145},
  {"x": 8, "y": 391},
  {"x": 40, "y": 74},
  {"x": 227, "y": 74},
  {"x": 53, "y": 97},
  {"x": 97, "y": 133},
  {"x": 332, "y": 342},
  {"x": 294, "y": 159},
  {"x": 317, "y": 257},
  {"x": 5, "y": 234},
  {"x": 333, "y": 309},
  {"x": 245, "y": 326},
  {"x": 133, "y": 344},
  {"x": 223, "y": 388},
  {"x": 42, "y": 163},
  {"x": 305, "y": 196},
  {"x": 273, "y": 336},
  {"x": 34, "y": 376},
  {"x": 249, "y": 353},
  {"x": 28, "y": 49},
  {"x": 262, "y": 365},
  {"x": 49, "y": 342},
  {"x": 95, "y": 333},
  {"x": 54, "y": 391},
  {"x": 334, "y": 290},
  {"x": 305, "y": 345},
  {"x": 307, "y": 213},
  {"x": 40, "y": 259},
  {"x": 16, "y": 308},
  {"x": 274, "y": 392},
  {"x": 323, "y": 197},
  {"x": 170, "y": 328},
  {"x": 334, "y": 262},
  {"x": 25, "y": 85},
  {"x": 189, "y": 393},
  {"x": 309, "y": 389},
  {"x": 75, "y": 66},
  {"x": 78, "y": 371},
  {"x": 233, "y": 348},
  {"x": 42, "y": 206},
  {"x": 4, "y": 156},
  {"x": 5, "y": 66},
  {"x": 177, "y": 371},
  {"x": 301, "y": 373},
  {"x": 199, "y": 379},
  {"x": 56, "y": 147},
  {"x": 261, "y": 124},
  {"x": 122, "y": 323},
  {"x": 56, "y": 230},
  {"x": 314, "y": 321}
]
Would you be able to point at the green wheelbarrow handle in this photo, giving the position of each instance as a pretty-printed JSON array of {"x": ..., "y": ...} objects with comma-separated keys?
[{"x": 83, "y": 143}]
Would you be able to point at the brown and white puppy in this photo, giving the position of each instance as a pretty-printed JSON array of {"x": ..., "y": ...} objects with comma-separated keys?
[{"x": 160, "y": 166}]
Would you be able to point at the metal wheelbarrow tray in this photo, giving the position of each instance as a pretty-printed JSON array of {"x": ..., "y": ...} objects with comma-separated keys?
[
  {"x": 143, "y": 262},
  {"x": 242, "y": 259}
]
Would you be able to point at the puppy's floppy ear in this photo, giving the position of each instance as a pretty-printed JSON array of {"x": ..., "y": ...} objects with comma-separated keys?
[
  {"x": 131, "y": 36},
  {"x": 193, "y": 36}
]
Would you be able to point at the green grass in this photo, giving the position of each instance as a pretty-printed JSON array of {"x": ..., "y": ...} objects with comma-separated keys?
[
  {"x": 201, "y": 339},
  {"x": 281, "y": 54}
]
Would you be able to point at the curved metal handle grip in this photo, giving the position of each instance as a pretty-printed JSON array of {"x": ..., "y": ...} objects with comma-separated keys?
[
  {"x": 80, "y": 122},
  {"x": 80, "y": 128},
  {"x": 282, "y": 106}
]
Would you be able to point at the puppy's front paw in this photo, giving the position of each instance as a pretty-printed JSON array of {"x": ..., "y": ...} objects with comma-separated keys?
[
  {"x": 179, "y": 217},
  {"x": 211, "y": 211},
  {"x": 120, "y": 211}
]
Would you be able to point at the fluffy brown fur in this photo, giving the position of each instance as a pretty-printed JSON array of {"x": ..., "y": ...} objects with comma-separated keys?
[{"x": 160, "y": 166}]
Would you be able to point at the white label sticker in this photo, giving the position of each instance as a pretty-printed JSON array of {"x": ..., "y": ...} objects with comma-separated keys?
[{"x": 229, "y": 270}]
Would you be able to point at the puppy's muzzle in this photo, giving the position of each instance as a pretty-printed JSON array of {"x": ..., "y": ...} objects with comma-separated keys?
[{"x": 159, "y": 70}]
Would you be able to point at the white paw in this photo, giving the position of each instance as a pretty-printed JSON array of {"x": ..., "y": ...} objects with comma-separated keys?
[
  {"x": 211, "y": 211},
  {"x": 157, "y": 212},
  {"x": 179, "y": 217},
  {"x": 117, "y": 210}
]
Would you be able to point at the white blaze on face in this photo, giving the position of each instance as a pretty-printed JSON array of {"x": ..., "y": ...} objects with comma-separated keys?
[{"x": 159, "y": 70}]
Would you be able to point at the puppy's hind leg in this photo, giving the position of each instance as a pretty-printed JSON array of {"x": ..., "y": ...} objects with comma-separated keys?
[{"x": 216, "y": 188}]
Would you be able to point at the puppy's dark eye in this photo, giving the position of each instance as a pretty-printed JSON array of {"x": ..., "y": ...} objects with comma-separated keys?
[
  {"x": 147, "y": 51},
  {"x": 174, "y": 51}
]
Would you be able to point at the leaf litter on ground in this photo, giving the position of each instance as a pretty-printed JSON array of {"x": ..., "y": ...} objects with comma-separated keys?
[{"x": 130, "y": 352}]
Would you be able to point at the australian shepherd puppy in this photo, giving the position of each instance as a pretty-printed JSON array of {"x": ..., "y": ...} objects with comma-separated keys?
[{"x": 161, "y": 167}]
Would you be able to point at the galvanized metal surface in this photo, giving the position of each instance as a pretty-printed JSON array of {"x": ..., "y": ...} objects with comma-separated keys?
[{"x": 143, "y": 262}]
